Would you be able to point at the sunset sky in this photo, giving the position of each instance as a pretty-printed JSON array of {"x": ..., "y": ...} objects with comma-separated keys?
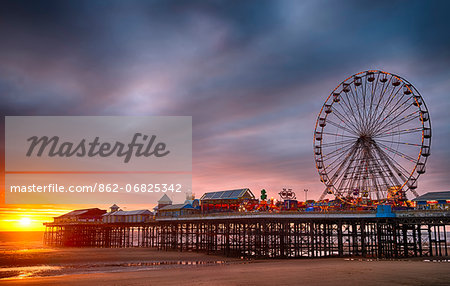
[{"x": 252, "y": 74}]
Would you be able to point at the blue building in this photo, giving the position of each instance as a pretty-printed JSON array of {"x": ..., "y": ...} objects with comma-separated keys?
[{"x": 433, "y": 201}]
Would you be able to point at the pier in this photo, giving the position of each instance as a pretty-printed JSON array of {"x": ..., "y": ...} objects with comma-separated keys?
[{"x": 271, "y": 235}]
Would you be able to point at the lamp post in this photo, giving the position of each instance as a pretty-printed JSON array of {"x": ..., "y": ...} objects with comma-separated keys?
[{"x": 306, "y": 194}]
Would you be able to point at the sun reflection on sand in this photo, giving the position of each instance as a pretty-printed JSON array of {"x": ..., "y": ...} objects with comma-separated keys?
[
  {"x": 28, "y": 251},
  {"x": 47, "y": 270},
  {"x": 24, "y": 272}
]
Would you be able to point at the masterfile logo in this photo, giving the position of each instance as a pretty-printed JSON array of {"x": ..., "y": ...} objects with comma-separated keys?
[
  {"x": 98, "y": 143},
  {"x": 95, "y": 148},
  {"x": 97, "y": 159}
]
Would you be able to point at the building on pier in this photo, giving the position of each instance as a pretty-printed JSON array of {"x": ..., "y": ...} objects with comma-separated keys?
[
  {"x": 162, "y": 202},
  {"x": 177, "y": 210},
  {"x": 114, "y": 208},
  {"x": 83, "y": 215},
  {"x": 433, "y": 201},
  {"x": 116, "y": 215},
  {"x": 223, "y": 201}
]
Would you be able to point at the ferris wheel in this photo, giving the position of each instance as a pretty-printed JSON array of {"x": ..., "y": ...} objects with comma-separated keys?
[{"x": 372, "y": 138}]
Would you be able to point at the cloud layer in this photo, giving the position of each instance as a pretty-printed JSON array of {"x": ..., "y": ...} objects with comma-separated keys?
[{"x": 253, "y": 74}]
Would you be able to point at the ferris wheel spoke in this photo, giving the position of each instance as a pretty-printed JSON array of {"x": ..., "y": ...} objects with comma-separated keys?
[
  {"x": 360, "y": 116},
  {"x": 398, "y": 142},
  {"x": 372, "y": 95},
  {"x": 348, "y": 123},
  {"x": 364, "y": 170},
  {"x": 388, "y": 174},
  {"x": 338, "y": 174},
  {"x": 331, "y": 165},
  {"x": 381, "y": 163},
  {"x": 359, "y": 174},
  {"x": 398, "y": 132},
  {"x": 339, "y": 135},
  {"x": 398, "y": 103},
  {"x": 341, "y": 127},
  {"x": 338, "y": 150},
  {"x": 398, "y": 169},
  {"x": 387, "y": 163},
  {"x": 396, "y": 122},
  {"x": 336, "y": 153},
  {"x": 349, "y": 171},
  {"x": 398, "y": 111},
  {"x": 384, "y": 89},
  {"x": 402, "y": 173},
  {"x": 337, "y": 143},
  {"x": 403, "y": 155},
  {"x": 348, "y": 120},
  {"x": 372, "y": 87},
  {"x": 348, "y": 103},
  {"x": 402, "y": 121},
  {"x": 355, "y": 170},
  {"x": 343, "y": 162},
  {"x": 386, "y": 105},
  {"x": 332, "y": 168},
  {"x": 383, "y": 102},
  {"x": 367, "y": 111},
  {"x": 373, "y": 171},
  {"x": 371, "y": 100},
  {"x": 379, "y": 183},
  {"x": 393, "y": 96}
]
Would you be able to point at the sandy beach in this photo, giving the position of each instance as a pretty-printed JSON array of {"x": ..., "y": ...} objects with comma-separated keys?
[
  {"x": 287, "y": 272},
  {"x": 150, "y": 267}
]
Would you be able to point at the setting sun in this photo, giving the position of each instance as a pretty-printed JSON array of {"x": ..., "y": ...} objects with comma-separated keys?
[{"x": 25, "y": 221}]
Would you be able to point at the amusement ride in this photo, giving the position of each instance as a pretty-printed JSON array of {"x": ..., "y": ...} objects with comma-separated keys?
[{"x": 372, "y": 139}]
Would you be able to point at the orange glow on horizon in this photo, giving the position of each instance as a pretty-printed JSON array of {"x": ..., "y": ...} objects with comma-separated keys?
[
  {"x": 33, "y": 217},
  {"x": 29, "y": 217}
]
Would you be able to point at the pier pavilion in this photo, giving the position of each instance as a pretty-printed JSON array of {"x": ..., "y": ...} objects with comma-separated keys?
[{"x": 223, "y": 201}]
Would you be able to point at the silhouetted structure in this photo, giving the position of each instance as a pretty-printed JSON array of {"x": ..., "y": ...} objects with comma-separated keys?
[{"x": 83, "y": 215}]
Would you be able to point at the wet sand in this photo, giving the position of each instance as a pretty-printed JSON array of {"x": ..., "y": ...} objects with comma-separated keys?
[
  {"x": 230, "y": 271},
  {"x": 85, "y": 256},
  {"x": 31, "y": 263}
]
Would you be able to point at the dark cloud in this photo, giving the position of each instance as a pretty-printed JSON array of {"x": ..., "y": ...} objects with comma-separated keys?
[{"x": 253, "y": 74}]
